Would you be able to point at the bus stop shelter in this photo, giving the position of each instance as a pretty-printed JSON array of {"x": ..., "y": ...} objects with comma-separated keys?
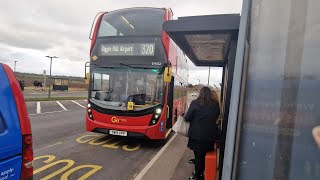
[
  {"x": 270, "y": 66},
  {"x": 60, "y": 84},
  {"x": 210, "y": 41}
]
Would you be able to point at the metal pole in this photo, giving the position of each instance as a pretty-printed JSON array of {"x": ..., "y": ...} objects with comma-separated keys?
[
  {"x": 209, "y": 76},
  {"x": 199, "y": 81},
  {"x": 51, "y": 57},
  {"x": 50, "y": 78},
  {"x": 15, "y": 65}
]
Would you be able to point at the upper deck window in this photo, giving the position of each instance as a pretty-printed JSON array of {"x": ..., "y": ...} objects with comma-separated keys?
[{"x": 132, "y": 22}]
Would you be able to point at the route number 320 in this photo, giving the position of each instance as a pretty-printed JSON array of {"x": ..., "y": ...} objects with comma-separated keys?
[{"x": 147, "y": 49}]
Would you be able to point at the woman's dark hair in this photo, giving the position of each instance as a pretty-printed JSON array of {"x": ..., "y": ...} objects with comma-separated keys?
[{"x": 205, "y": 97}]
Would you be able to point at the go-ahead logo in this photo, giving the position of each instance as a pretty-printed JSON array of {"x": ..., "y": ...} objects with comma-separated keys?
[{"x": 114, "y": 119}]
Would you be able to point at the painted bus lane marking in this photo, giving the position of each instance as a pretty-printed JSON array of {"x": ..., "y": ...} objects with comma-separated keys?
[
  {"x": 67, "y": 169},
  {"x": 107, "y": 141}
]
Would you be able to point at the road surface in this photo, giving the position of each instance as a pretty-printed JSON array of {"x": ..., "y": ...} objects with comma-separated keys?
[
  {"x": 44, "y": 94},
  {"x": 64, "y": 150}
]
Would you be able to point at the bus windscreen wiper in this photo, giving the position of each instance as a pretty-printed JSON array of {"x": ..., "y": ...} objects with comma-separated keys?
[
  {"x": 100, "y": 66},
  {"x": 135, "y": 67}
]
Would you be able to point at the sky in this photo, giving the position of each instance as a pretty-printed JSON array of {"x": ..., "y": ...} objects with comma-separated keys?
[{"x": 33, "y": 29}]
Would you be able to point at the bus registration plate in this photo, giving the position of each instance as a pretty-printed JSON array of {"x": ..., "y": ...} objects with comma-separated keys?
[{"x": 118, "y": 133}]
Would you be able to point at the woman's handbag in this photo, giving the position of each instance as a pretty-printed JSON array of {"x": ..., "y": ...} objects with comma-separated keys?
[{"x": 181, "y": 126}]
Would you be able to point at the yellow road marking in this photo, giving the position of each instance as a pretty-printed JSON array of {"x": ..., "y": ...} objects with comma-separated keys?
[
  {"x": 126, "y": 148},
  {"x": 108, "y": 143},
  {"x": 169, "y": 131},
  {"x": 94, "y": 169},
  {"x": 113, "y": 145},
  {"x": 92, "y": 142},
  {"x": 48, "y": 160},
  {"x": 79, "y": 140},
  {"x": 69, "y": 162}
]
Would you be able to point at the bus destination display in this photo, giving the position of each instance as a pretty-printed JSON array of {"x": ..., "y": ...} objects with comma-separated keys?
[{"x": 127, "y": 49}]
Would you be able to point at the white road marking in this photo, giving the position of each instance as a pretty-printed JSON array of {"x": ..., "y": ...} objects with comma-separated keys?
[
  {"x": 78, "y": 104},
  {"x": 49, "y": 146},
  {"x": 36, "y": 93},
  {"x": 38, "y": 108},
  {"x": 62, "y": 106},
  {"x": 154, "y": 159},
  {"x": 85, "y": 100},
  {"x": 49, "y": 112}
]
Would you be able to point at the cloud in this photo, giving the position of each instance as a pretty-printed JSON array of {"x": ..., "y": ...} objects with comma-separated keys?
[
  {"x": 33, "y": 29},
  {"x": 202, "y": 74}
]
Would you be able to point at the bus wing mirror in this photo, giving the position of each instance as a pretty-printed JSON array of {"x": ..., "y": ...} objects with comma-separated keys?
[{"x": 167, "y": 75}]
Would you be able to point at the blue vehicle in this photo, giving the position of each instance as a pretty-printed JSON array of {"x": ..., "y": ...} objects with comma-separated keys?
[{"x": 16, "y": 152}]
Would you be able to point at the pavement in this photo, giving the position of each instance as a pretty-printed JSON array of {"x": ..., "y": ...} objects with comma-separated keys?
[{"x": 172, "y": 164}]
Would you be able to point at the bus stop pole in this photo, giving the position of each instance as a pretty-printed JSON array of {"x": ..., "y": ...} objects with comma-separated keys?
[
  {"x": 51, "y": 57},
  {"x": 209, "y": 76},
  {"x": 50, "y": 78},
  {"x": 15, "y": 65}
]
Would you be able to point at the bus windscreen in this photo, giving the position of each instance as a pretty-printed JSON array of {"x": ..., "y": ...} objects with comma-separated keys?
[{"x": 112, "y": 88}]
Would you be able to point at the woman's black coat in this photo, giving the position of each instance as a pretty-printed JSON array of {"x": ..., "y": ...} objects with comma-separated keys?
[{"x": 202, "y": 120}]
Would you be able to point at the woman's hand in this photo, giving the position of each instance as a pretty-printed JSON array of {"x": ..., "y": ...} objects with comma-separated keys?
[{"x": 316, "y": 134}]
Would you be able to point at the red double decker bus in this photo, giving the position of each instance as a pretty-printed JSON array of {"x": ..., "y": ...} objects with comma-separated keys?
[{"x": 138, "y": 76}]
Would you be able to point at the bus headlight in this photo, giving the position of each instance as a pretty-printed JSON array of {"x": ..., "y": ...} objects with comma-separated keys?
[
  {"x": 153, "y": 121},
  {"x": 90, "y": 111},
  {"x": 156, "y": 116},
  {"x": 158, "y": 111}
]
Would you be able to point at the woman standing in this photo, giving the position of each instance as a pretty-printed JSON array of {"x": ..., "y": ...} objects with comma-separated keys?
[{"x": 202, "y": 115}]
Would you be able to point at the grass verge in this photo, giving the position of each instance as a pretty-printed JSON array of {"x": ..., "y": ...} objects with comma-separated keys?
[{"x": 54, "y": 99}]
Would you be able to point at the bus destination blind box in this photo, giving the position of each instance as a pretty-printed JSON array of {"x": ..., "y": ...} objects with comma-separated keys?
[{"x": 127, "y": 49}]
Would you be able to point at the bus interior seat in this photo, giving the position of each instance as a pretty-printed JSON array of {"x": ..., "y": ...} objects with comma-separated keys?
[{"x": 138, "y": 99}]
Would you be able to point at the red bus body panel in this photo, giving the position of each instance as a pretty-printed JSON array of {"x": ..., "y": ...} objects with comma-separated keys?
[
  {"x": 137, "y": 124},
  {"x": 121, "y": 120},
  {"x": 95, "y": 31}
]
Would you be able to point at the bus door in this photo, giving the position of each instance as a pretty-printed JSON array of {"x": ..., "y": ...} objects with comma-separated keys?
[{"x": 170, "y": 103}]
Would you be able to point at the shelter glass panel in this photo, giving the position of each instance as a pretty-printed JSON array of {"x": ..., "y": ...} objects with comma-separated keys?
[
  {"x": 280, "y": 128},
  {"x": 209, "y": 47}
]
